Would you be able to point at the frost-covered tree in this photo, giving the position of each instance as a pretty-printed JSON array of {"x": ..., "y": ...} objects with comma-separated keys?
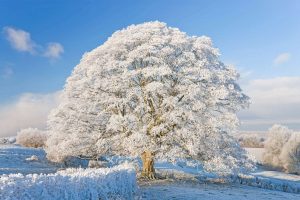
[
  {"x": 277, "y": 136},
  {"x": 290, "y": 155},
  {"x": 150, "y": 88},
  {"x": 282, "y": 149}
]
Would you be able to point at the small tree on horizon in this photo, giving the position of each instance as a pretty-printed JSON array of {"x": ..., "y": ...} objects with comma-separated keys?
[{"x": 150, "y": 88}]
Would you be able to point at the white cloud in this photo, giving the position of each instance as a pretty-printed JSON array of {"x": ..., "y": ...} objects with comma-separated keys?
[
  {"x": 282, "y": 58},
  {"x": 19, "y": 39},
  {"x": 275, "y": 100},
  {"x": 54, "y": 50},
  {"x": 30, "y": 110}
]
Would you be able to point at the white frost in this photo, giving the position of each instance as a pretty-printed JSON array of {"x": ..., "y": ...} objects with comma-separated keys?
[
  {"x": 112, "y": 183},
  {"x": 150, "y": 87}
]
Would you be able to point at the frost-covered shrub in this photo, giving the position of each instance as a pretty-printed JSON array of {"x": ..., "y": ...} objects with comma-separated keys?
[
  {"x": 110, "y": 183},
  {"x": 98, "y": 164},
  {"x": 153, "y": 88},
  {"x": 251, "y": 141},
  {"x": 31, "y": 137},
  {"x": 7, "y": 140},
  {"x": 282, "y": 149},
  {"x": 290, "y": 154},
  {"x": 277, "y": 136}
]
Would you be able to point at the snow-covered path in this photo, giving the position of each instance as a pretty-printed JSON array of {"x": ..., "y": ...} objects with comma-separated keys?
[{"x": 210, "y": 191}]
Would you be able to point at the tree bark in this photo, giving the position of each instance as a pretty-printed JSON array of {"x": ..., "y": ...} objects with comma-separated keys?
[{"x": 148, "y": 165}]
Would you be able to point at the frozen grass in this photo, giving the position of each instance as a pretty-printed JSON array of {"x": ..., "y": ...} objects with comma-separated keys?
[{"x": 107, "y": 183}]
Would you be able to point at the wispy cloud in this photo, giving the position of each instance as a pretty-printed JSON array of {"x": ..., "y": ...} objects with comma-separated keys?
[
  {"x": 19, "y": 39},
  {"x": 282, "y": 58},
  {"x": 30, "y": 110},
  {"x": 275, "y": 100},
  {"x": 54, "y": 50}
]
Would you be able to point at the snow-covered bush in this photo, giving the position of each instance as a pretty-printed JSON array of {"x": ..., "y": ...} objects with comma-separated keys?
[
  {"x": 31, "y": 137},
  {"x": 110, "y": 183},
  {"x": 152, "y": 88},
  {"x": 251, "y": 141},
  {"x": 282, "y": 149},
  {"x": 98, "y": 164},
  {"x": 277, "y": 136},
  {"x": 7, "y": 140},
  {"x": 290, "y": 154}
]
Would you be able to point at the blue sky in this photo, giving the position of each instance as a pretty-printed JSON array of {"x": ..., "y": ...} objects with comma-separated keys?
[{"x": 261, "y": 38}]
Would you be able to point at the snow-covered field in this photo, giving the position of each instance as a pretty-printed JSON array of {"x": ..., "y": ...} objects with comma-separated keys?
[
  {"x": 16, "y": 159},
  {"x": 13, "y": 160},
  {"x": 121, "y": 181},
  {"x": 211, "y": 191}
]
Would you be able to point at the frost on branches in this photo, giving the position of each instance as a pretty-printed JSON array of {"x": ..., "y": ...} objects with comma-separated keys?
[{"x": 150, "y": 87}]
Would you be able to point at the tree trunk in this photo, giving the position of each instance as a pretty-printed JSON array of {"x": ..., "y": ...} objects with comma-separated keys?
[{"x": 148, "y": 165}]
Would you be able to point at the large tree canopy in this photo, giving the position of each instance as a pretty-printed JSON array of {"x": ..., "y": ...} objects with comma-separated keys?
[{"x": 150, "y": 87}]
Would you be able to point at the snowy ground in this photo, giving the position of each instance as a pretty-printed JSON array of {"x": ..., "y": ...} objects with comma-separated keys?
[
  {"x": 13, "y": 160},
  {"x": 278, "y": 175},
  {"x": 209, "y": 191}
]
